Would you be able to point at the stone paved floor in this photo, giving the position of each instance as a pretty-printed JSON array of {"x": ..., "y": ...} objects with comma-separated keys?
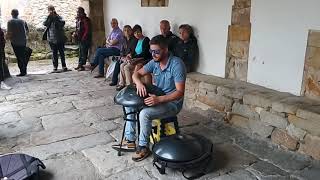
[{"x": 69, "y": 121}]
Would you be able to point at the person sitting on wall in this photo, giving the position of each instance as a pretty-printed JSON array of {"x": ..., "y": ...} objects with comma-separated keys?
[
  {"x": 2, "y": 62},
  {"x": 169, "y": 76},
  {"x": 128, "y": 48},
  {"x": 187, "y": 47},
  {"x": 113, "y": 47},
  {"x": 135, "y": 61},
  {"x": 170, "y": 37},
  {"x": 83, "y": 35},
  {"x": 55, "y": 35}
]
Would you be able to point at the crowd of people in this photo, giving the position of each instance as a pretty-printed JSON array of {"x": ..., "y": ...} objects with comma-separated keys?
[{"x": 163, "y": 61}]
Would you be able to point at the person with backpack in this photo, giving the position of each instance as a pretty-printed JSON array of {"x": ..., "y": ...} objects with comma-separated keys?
[
  {"x": 83, "y": 35},
  {"x": 2, "y": 62},
  {"x": 17, "y": 30},
  {"x": 55, "y": 35}
]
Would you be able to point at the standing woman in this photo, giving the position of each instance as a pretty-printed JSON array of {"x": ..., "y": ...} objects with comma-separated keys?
[
  {"x": 2, "y": 62},
  {"x": 187, "y": 48},
  {"x": 56, "y": 37}
]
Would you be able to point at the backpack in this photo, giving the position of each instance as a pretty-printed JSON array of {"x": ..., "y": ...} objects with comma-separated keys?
[{"x": 20, "y": 167}]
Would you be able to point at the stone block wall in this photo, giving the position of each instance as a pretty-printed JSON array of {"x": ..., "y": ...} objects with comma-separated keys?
[
  {"x": 289, "y": 121},
  {"x": 311, "y": 78},
  {"x": 35, "y": 11},
  {"x": 238, "y": 41}
]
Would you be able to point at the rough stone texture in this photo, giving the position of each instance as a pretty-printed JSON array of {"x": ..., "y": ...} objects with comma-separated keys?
[
  {"x": 238, "y": 41},
  {"x": 312, "y": 126},
  {"x": 67, "y": 132},
  {"x": 261, "y": 128},
  {"x": 255, "y": 99},
  {"x": 19, "y": 128},
  {"x": 238, "y": 175},
  {"x": 312, "y": 113},
  {"x": 284, "y": 139},
  {"x": 295, "y": 132},
  {"x": 34, "y": 11},
  {"x": 311, "y": 77},
  {"x": 40, "y": 110},
  {"x": 264, "y": 170},
  {"x": 240, "y": 121},
  {"x": 273, "y": 120},
  {"x": 103, "y": 159},
  {"x": 219, "y": 103},
  {"x": 73, "y": 166},
  {"x": 311, "y": 146},
  {"x": 245, "y": 110}
]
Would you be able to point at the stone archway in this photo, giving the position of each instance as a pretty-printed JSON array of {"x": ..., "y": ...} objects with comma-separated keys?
[{"x": 96, "y": 14}]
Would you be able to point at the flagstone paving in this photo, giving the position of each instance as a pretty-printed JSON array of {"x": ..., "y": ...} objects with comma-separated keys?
[{"x": 69, "y": 121}]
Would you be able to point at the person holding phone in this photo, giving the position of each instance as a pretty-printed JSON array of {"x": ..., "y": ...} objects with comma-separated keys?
[{"x": 55, "y": 35}]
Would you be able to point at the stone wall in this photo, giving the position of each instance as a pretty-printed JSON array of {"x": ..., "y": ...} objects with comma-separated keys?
[
  {"x": 35, "y": 11},
  {"x": 311, "y": 78},
  {"x": 238, "y": 41},
  {"x": 289, "y": 121}
]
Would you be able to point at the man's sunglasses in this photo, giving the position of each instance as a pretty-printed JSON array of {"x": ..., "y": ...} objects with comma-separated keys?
[{"x": 157, "y": 52}]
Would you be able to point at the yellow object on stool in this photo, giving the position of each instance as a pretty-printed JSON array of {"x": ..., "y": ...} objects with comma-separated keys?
[{"x": 156, "y": 130}]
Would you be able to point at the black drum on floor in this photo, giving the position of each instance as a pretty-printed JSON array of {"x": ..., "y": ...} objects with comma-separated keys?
[{"x": 183, "y": 152}]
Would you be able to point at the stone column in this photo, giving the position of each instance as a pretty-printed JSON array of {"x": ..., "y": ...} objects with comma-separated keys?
[
  {"x": 239, "y": 41},
  {"x": 311, "y": 76},
  {"x": 96, "y": 15}
]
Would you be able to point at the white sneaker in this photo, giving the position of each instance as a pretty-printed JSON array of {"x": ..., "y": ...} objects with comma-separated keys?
[{"x": 4, "y": 86}]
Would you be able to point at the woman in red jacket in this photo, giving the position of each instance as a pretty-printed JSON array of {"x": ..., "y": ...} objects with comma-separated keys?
[{"x": 2, "y": 63}]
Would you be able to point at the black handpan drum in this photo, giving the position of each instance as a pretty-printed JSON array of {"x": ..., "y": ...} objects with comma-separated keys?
[
  {"x": 182, "y": 152},
  {"x": 128, "y": 96}
]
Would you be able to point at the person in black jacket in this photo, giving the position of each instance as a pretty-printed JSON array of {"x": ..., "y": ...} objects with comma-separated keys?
[
  {"x": 2, "y": 62},
  {"x": 187, "y": 47},
  {"x": 135, "y": 60},
  {"x": 56, "y": 37},
  {"x": 168, "y": 35}
]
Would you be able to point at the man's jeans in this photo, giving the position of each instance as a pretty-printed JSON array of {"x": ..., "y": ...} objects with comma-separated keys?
[
  {"x": 55, "y": 49},
  {"x": 20, "y": 52},
  {"x": 83, "y": 52},
  {"x": 101, "y": 54},
  {"x": 146, "y": 116}
]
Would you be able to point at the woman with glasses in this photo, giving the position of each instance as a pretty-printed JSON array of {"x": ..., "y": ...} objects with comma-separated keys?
[{"x": 135, "y": 60}]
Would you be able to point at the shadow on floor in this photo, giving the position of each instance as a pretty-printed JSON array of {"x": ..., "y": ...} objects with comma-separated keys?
[{"x": 45, "y": 175}]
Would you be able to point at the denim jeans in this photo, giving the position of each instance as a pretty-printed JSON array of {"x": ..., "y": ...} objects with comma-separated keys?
[
  {"x": 103, "y": 53},
  {"x": 55, "y": 49},
  {"x": 83, "y": 52},
  {"x": 20, "y": 52},
  {"x": 146, "y": 116}
]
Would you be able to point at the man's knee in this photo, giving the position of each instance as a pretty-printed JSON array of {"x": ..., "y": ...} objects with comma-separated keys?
[{"x": 145, "y": 114}]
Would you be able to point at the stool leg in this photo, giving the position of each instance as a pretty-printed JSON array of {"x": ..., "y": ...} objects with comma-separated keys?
[
  {"x": 176, "y": 126},
  {"x": 124, "y": 127},
  {"x": 162, "y": 129},
  {"x": 138, "y": 125}
]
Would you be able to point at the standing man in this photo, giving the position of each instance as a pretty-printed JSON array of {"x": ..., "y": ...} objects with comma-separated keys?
[
  {"x": 113, "y": 47},
  {"x": 17, "y": 33},
  {"x": 169, "y": 75},
  {"x": 168, "y": 35},
  {"x": 2, "y": 62},
  {"x": 56, "y": 37},
  {"x": 83, "y": 35}
]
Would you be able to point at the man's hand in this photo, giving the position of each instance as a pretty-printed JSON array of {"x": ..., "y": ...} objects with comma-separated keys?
[
  {"x": 141, "y": 90},
  {"x": 152, "y": 100}
]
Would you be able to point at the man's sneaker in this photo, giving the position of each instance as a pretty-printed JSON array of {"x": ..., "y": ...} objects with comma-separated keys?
[
  {"x": 127, "y": 146},
  {"x": 64, "y": 69},
  {"x": 141, "y": 154},
  {"x": 81, "y": 69},
  {"x": 78, "y": 67},
  {"x": 55, "y": 70},
  {"x": 21, "y": 74},
  {"x": 4, "y": 86}
]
